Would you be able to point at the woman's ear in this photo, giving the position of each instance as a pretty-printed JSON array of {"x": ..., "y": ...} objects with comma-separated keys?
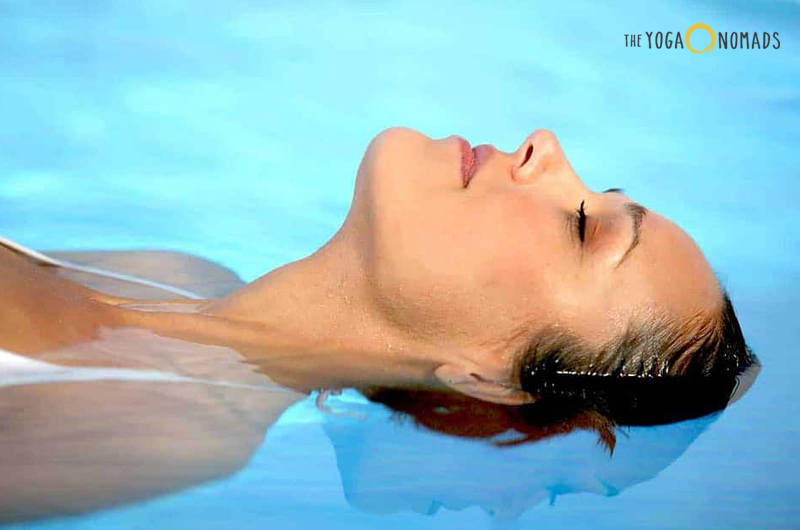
[{"x": 470, "y": 382}]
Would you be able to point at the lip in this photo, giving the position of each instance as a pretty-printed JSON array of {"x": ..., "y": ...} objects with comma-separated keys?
[
  {"x": 467, "y": 161},
  {"x": 471, "y": 159}
]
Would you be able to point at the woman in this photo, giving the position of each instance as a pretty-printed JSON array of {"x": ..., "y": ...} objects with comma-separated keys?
[
  {"x": 487, "y": 273},
  {"x": 458, "y": 274}
]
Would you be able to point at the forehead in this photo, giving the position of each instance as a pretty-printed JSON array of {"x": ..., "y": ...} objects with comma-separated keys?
[{"x": 665, "y": 275}]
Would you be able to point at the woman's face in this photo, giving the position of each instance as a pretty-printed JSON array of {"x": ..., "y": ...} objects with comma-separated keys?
[{"x": 481, "y": 268}]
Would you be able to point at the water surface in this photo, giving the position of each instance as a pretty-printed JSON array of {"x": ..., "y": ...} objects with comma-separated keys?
[{"x": 233, "y": 130}]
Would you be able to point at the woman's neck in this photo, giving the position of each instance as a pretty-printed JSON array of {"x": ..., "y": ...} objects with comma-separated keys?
[{"x": 307, "y": 325}]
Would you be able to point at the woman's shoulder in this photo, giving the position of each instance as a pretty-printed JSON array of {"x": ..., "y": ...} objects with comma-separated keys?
[
  {"x": 44, "y": 306},
  {"x": 201, "y": 276}
]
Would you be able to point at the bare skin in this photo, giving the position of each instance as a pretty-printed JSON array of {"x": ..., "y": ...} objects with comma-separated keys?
[
  {"x": 76, "y": 447},
  {"x": 427, "y": 284}
]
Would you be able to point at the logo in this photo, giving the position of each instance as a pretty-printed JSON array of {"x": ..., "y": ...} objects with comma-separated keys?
[
  {"x": 721, "y": 40},
  {"x": 710, "y": 31}
]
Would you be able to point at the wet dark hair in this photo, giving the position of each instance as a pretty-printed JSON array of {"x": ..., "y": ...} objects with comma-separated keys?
[{"x": 657, "y": 372}]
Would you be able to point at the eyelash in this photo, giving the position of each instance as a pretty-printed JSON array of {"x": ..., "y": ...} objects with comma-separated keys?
[{"x": 580, "y": 221}]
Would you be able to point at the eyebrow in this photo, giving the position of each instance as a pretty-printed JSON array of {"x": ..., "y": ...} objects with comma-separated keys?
[{"x": 636, "y": 212}]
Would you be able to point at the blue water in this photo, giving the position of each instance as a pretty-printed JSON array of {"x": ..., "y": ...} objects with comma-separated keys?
[{"x": 233, "y": 130}]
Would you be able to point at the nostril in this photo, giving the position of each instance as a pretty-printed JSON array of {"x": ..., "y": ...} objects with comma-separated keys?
[{"x": 528, "y": 154}]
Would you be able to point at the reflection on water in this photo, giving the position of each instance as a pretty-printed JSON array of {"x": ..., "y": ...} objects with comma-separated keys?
[
  {"x": 78, "y": 438},
  {"x": 80, "y": 433},
  {"x": 389, "y": 466}
]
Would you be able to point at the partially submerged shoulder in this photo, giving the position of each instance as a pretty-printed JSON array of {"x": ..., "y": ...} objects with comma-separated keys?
[{"x": 192, "y": 273}]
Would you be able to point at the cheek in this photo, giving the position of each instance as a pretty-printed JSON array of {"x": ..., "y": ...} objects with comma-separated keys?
[
  {"x": 479, "y": 267},
  {"x": 522, "y": 253}
]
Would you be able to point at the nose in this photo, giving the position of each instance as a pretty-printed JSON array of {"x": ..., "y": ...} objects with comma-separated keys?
[{"x": 539, "y": 153}]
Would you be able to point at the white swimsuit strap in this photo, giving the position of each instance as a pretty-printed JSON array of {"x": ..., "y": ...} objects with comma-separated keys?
[{"x": 18, "y": 370}]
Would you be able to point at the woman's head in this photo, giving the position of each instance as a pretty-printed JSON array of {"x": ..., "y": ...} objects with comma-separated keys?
[{"x": 484, "y": 272}]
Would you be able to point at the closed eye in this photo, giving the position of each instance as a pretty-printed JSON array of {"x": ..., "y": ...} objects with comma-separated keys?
[{"x": 580, "y": 222}]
